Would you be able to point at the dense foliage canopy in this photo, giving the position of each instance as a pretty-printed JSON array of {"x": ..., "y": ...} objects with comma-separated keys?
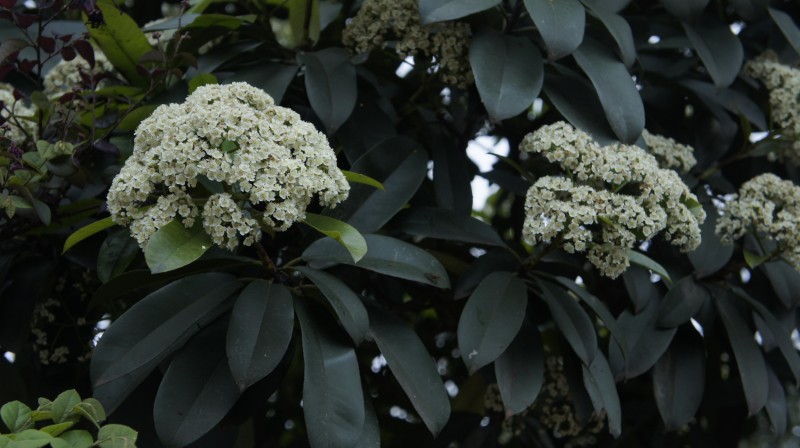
[{"x": 250, "y": 223}]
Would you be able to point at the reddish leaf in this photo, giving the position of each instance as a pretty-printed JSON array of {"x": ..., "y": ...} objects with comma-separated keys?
[
  {"x": 48, "y": 44},
  {"x": 25, "y": 20},
  {"x": 68, "y": 53},
  {"x": 8, "y": 4},
  {"x": 85, "y": 50}
]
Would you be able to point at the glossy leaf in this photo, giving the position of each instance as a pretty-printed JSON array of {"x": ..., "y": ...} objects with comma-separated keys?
[
  {"x": 491, "y": 319},
  {"x": 386, "y": 255},
  {"x": 174, "y": 246},
  {"x": 685, "y": 9},
  {"x": 371, "y": 433},
  {"x": 520, "y": 370},
  {"x": 363, "y": 179},
  {"x": 412, "y": 366},
  {"x": 197, "y": 390},
  {"x": 787, "y": 26},
  {"x": 445, "y": 224},
  {"x": 330, "y": 84},
  {"x": 116, "y": 254},
  {"x": 343, "y": 300},
  {"x": 439, "y": 10},
  {"x": 400, "y": 164},
  {"x": 711, "y": 255},
  {"x": 271, "y": 77},
  {"x": 600, "y": 310},
  {"x": 749, "y": 359},
  {"x": 508, "y": 72},
  {"x": 599, "y": 383},
  {"x": 718, "y": 48},
  {"x": 620, "y": 31},
  {"x": 750, "y": 9},
  {"x": 682, "y": 302},
  {"x": 608, "y": 5},
  {"x": 576, "y": 99},
  {"x": 679, "y": 380},
  {"x": 259, "y": 332},
  {"x": 87, "y": 231},
  {"x": 333, "y": 402},
  {"x": 731, "y": 100},
  {"x": 785, "y": 281},
  {"x": 641, "y": 289},
  {"x": 776, "y": 404},
  {"x": 121, "y": 41},
  {"x": 152, "y": 329},
  {"x": 16, "y": 416},
  {"x": 572, "y": 320},
  {"x": 561, "y": 24},
  {"x": 618, "y": 95},
  {"x": 646, "y": 262},
  {"x": 341, "y": 232},
  {"x": 646, "y": 342}
]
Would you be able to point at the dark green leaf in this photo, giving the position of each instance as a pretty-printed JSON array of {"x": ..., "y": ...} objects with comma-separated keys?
[
  {"x": 270, "y": 77},
  {"x": 781, "y": 337},
  {"x": 447, "y": 225},
  {"x": 711, "y": 255},
  {"x": 785, "y": 281},
  {"x": 491, "y": 318},
  {"x": 646, "y": 262},
  {"x": 197, "y": 389},
  {"x": 452, "y": 173},
  {"x": 333, "y": 402},
  {"x": 492, "y": 261},
  {"x": 561, "y": 24},
  {"x": 646, "y": 342},
  {"x": 577, "y": 101},
  {"x": 413, "y": 367},
  {"x": 608, "y": 5},
  {"x": 400, "y": 164},
  {"x": 116, "y": 436},
  {"x": 508, "y": 72},
  {"x": 682, "y": 302},
  {"x": 154, "y": 328},
  {"x": 718, "y": 48},
  {"x": 641, "y": 290},
  {"x": 343, "y": 300},
  {"x": 776, "y": 404},
  {"x": 599, "y": 383},
  {"x": 259, "y": 332},
  {"x": 16, "y": 416},
  {"x": 121, "y": 41},
  {"x": 440, "y": 10},
  {"x": 679, "y": 380},
  {"x": 371, "y": 434},
  {"x": 599, "y": 309},
  {"x": 572, "y": 320},
  {"x": 620, "y": 31},
  {"x": 343, "y": 233},
  {"x": 750, "y": 9},
  {"x": 733, "y": 101},
  {"x": 787, "y": 27},
  {"x": 330, "y": 84},
  {"x": 386, "y": 255},
  {"x": 131, "y": 120},
  {"x": 618, "y": 95},
  {"x": 684, "y": 9},
  {"x": 115, "y": 255},
  {"x": 520, "y": 370},
  {"x": 87, "y": 231},
  {"x": 749, "y": 359},
  {"x": 174, "y": 246}
]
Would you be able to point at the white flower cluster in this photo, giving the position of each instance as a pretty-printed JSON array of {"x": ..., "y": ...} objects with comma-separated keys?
[
  {"x": 769, "y": 207},
  {"x": 379, "y": 21},
  {"x": 17, "y": 115},
  {"x": 669, "y": 153},
  {"x": 67, "y": 74},
  {"x": 610, "y": 198},
  {"x": 783, "y": 83},
  {"x": 229, "y": 150}
]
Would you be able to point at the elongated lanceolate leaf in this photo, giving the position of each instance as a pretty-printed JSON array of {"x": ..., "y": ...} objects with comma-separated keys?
[
  {"x": 343, "y": 300},
  {"x": 646, "y": 262},
  {"x": 508, "y": 72},
  {"x": 438, "y": 10},
  {"x": 197, "y": 390},
  {"x": 561, "y": 24},
  {"x": 711, "y": 255},
  {"x": 718, "y": 48},
  {"x": 520, "y": 370},
  {"x": 333, "y": 401},
  {"x": 620, "y": 31},
  {"x": 646, "y": 340},
  {"x": 575, "y": 325},
  {"x": 341, "y": 232},
  {"x": 679, "y": 379},
  {"x": 787, "y": 26},
  {"x": 682, "y": 302},
  {"x": 749, "y": 359},
  {"x": 600, "y": 310},
  {"x": 412, "y": 366},
  {"x": 685, "y": 9},
  {"x": 599, "y": 383},
  {"x": 87, "y": 231},
  {"x": 447, "y": 225},
  {"x": 331, "y": 85},
  {"x": 259, "y": 332},
  {"x": 491, "y": 318},
  {"x": 154, "y": 328},
  {"x": 386, "y": 255}
]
